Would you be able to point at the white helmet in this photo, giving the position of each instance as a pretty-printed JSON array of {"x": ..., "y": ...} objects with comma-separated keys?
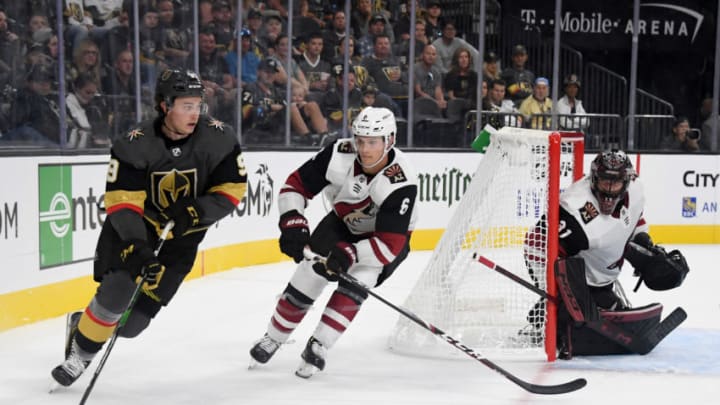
[{"x": 374, "y": 121}]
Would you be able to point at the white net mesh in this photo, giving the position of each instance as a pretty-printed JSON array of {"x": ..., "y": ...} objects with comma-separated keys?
[{"x": 478, "y": 306}]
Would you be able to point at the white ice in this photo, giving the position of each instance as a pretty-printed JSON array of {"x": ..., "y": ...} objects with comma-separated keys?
[{"x": 196, "y": 352}]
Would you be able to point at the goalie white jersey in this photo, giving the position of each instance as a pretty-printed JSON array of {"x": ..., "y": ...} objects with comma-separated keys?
[
  {"x": 599, "y": 239},
  {"x": 379, "y": 207}
]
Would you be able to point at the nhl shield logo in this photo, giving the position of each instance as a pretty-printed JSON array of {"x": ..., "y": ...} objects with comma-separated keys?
[{"x": 176, "y": 152}]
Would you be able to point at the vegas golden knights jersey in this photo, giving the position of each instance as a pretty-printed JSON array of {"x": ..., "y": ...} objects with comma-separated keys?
[{"x": 149, "y": 172}]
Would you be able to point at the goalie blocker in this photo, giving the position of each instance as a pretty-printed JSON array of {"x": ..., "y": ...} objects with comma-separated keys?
[{"x": 585, "y": 330}]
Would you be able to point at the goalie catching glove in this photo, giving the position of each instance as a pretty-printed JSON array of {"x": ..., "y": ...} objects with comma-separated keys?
[
  {"x": 140, "y": 260},
  {"x": 658, "y": 269},
  {"x": 294, "y": 234},
  {"x": 184, "y": 212}
]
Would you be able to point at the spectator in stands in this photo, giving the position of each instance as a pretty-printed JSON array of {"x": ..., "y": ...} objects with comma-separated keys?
[
  {"x": 519, "y": 79},
  {"x": 254, "y": 23},
  {"x": 317, "y": 71},
  {"x": 215, "y": 76},
  {"x": 44, "y": 50},
  {"x": 354, "y": 58},
  {"x": 83, "y": 134},
  {"x": 491, "y": 67},
  {"x": 271, "y": 29},
  {"x": 282, "y": 47},
  {"x": 434, "y": 21},
  {"x": 78, "y": 24},
  {"x": 360, "y": 18},
  {"x": 177, "y": 40},
  {"x": 537, "y": 103},
  {"x": 277, "y": 7},
  {"x": 428, "y": 78},
  {"x": 366, "y": 43},
  {"x": 402, "y": 23},
  {"x": 402, "y": 50},
  {"x": 569, "y": 104},
  {"x": 306, "y": 12},
  {"x": 263, "y": 104},
  {"x": 34, "y": 114},
  {"x": 448, "y": 44},
  {"x": 120, "y": 85},
  {"x": 504, "y": 109},
  {"x": 385, "y": 69},
  {"x": 462, "y": 79},
  {"x": 10, "y": 51},
  {"x": 249, "y": 59},
  {"x": 332, "y": 102},
  {"x": 223, "y": 26},
  {"x": 333, "y": 36},
  {"x": 152, "y": 56},
  {"x": 38, "y": 21},
  {"x": 305, "y": 116},
  {"x": 86, "y": 59},
  {"x": 681, "y": 139},
  {"x": 205, "y": 15}
]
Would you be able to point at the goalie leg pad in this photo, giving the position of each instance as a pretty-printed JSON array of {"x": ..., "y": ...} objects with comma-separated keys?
[{"x": 576, "y": 296}]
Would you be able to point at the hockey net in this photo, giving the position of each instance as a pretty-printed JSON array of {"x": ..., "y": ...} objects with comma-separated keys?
[{"x": 517, "y": 182}]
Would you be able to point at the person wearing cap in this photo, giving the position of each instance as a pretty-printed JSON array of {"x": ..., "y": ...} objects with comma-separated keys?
[
  {"x": 538, "y": 103},
  {"x": 263, "y": 103},
  {"x": 446, "y": 46},
  {"x": 518, "y": 78},
  {"x": 569, "y": 104},
  {"x": 491, "y": 67},
  {"x": 34, "y": 113},
  {"x": 376, "y": 26},
  {"x": 434, "y": 22},
  {"x": 223, "y": 26},
  {"x": 271, "y": 29}
]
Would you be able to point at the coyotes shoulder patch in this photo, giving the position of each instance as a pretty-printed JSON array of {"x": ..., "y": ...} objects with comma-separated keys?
[
  {"x": 588, "y": 212},
  {"x": 395, "y": 174},
  {"x": 345, "y": 147}
]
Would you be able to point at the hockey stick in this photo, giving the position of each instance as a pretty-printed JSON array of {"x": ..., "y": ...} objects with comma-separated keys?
[
  {"x": 533, "y": 388},
  {"x": 637, "y": 343},
  {"x": 124, "y": 317}
]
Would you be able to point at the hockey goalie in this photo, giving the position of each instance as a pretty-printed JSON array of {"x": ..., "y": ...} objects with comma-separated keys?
[{"x": 602, "y": 225}]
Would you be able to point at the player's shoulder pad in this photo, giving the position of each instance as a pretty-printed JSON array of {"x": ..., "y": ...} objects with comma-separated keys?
[
  {"x": 588, "y": 212},
  {"x": 399, "y": 170},
  {"x": 395, "y": 173},
  {"x": 345, "y": 146},
  {"x": 138, "y": 144}
]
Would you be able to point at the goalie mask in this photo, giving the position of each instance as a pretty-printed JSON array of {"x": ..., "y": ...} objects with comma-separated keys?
[
  {"x": 611, "y": 173},
  {"x": 376, "y": 122}
]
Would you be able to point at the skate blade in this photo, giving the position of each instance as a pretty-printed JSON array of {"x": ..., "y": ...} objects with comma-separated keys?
[
  {"x": 306, "y": 370},
  {"x": 54, "y": 386},
  {"x": 253, "y": 364}
]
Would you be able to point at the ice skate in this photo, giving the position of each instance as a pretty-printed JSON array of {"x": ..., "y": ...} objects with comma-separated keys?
[
  {"x": 75, "y": 363},
  {"x": 263, "y": 350},
  {"x": 313, "y": 359}
]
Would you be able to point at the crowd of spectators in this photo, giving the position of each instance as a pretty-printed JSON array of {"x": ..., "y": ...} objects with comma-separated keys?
[{"x": 99, "y": 68}]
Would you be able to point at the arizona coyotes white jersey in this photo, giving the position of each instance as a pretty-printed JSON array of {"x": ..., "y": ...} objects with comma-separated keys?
[
  {"x": 597, "y": 238},
  {"x": 380, "y": 207}
]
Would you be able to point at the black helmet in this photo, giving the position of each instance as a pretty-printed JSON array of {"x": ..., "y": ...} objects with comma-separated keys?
[
  {"x": 174, "y": 83},
  {"x": 614, "y": 166}
]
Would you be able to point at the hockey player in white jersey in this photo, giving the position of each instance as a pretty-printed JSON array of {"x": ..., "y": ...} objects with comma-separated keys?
[
  {"x": 602, "y": 223},
  {"x": 373, "y": 190}
]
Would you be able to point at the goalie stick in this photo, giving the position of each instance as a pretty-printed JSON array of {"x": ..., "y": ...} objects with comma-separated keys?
[
  {"x": 637, "y": 343},
  {"x": 564, "y": 388},
  {"x": 125, "y": 315}
]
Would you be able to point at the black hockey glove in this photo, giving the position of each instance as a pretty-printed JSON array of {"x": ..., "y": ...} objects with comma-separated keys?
[
  {"x": 294, "y": 234},
  {"x": 341, "y": 257},
  {"x": 185, "y": 212},
  {"x": 140, "y": 260}
]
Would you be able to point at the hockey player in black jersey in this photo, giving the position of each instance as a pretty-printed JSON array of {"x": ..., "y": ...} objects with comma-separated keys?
[
  {"x": 373, "y": 190},
  {"x": 182, "y": 166}
]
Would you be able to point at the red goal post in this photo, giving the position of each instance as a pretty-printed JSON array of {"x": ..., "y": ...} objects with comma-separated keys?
[{"x": 518, "y": 181}]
